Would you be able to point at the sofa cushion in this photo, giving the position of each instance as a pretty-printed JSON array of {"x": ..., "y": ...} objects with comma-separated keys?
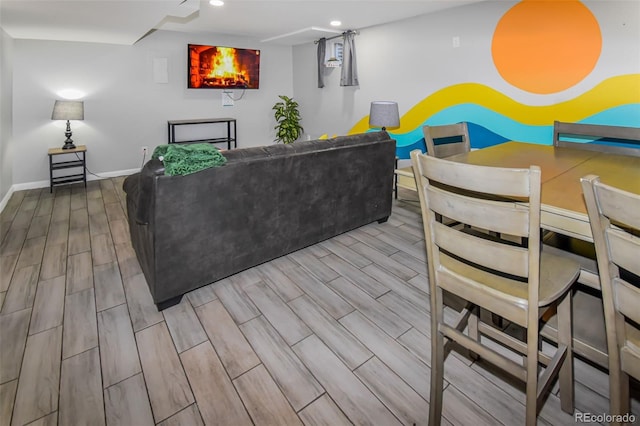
[
  {"x": 246, "y": 153},
  {"x": 277, "y": 150}
]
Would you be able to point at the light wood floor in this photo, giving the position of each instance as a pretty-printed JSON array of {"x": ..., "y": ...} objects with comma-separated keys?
[{"x": 333, "y": 334}]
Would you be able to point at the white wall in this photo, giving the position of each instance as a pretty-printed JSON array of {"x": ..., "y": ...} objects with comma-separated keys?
[
  {"x": 409, "y": 60},
  {"x": 6, "y": 115},
  {"x": 124, "y": 108}
]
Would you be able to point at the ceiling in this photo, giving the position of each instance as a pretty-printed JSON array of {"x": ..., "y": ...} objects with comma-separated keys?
[{"x": 288, "y": 22}]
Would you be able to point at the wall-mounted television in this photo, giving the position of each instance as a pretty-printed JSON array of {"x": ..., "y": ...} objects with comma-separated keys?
[{"x": 218, "y": 67}]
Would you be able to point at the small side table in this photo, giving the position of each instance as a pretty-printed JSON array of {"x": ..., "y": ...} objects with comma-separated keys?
[{"x": 80, "y": 152}]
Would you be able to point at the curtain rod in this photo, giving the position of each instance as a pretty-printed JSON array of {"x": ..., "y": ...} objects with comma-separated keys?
[{"x": 356, "y": 32}]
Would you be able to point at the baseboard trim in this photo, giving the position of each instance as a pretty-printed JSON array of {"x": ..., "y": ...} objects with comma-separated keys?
[
  {"x": 6, "y": 199},
  {"x": 45, "y": 183}
]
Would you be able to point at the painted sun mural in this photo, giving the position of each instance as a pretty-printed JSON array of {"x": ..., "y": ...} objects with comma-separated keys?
[
  {"x": 546, "y": 46},
  {"x": 539, "y": 46}
]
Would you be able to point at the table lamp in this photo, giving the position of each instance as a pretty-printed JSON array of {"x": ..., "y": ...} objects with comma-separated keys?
[
  {"x": 68, "y": 110},
  {"x": 384, "y": 114}
]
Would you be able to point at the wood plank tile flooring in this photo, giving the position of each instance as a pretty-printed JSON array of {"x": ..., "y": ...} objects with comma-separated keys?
[{"x": 337, "y": 333}]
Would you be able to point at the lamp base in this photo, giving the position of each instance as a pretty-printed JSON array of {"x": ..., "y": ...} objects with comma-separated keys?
[{"x": 68, "y": 145}]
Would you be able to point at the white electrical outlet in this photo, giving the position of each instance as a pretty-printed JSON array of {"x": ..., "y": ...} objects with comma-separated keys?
[
  {"x": 456, "y": 41},
  {"x": 227, "y": 98}
]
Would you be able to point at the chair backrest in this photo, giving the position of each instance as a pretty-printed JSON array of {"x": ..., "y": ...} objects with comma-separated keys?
[
  {"x": 596, "y": 137},
  {"x": 487, "y": 198},
  {"x": 446, "y": 140},
  {"x": 614, "y": 216}
]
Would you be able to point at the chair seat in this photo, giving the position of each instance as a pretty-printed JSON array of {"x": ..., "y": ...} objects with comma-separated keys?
[
  {"x": 581, "y": 251},
  {"x": 557, "y": 274}
]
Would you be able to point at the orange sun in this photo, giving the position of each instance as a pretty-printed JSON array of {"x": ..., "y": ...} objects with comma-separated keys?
[{"x": 546, "y": 46}]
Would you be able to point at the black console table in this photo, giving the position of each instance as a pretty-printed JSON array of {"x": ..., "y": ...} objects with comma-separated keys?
[{"x": 230, "y": 138}]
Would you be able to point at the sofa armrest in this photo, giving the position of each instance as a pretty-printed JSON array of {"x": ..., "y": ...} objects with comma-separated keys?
[{"x": 143, "y": 191}]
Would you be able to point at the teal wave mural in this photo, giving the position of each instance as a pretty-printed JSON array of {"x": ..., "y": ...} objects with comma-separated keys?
[
  {"x": 487, "y": 128},
  {"x": 493, "y": 117}
]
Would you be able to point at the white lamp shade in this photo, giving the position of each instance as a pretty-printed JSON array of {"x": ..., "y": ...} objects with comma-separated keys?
[
  {"x": 68, "y": 110},
  {"x": 384, "y": 114}
]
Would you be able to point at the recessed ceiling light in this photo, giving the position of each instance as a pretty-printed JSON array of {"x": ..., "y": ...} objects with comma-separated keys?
[
  {"x": 335, "y": 23},
  {"x": 216, "y": 2}
]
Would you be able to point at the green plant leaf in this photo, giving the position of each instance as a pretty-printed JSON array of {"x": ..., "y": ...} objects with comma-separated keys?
[{"x": 287, "y": 116}]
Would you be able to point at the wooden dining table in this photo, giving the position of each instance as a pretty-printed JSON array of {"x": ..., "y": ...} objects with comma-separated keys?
[{"x": 563, "y": 209}]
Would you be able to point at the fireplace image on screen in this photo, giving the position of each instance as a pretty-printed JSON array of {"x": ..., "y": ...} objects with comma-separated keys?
[{"x": 217, "y": 67}]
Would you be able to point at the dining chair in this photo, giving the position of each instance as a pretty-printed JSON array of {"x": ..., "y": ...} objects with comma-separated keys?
[
  {"x": 597, "y": 137},
  {"x": 441, "y": 141},
  {"x": 446, "y": 140},
  {"x": 614, "y": 216},
  {"x": 515, "y": 281}
]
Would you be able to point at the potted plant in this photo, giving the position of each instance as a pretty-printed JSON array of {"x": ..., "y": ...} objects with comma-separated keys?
[{"x": 288, "y": 129}]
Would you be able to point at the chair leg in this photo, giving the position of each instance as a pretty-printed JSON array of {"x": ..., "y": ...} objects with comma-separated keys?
[
  {"x": 565, "y": 337},
  {"x": 437, "y": 361},
  {"x": 618, "y": 380},
  {"x": 437, "y": 380},
  {"x": 625, "y": 403},
  {"x": 615, "y": 390},
  {"x": 395, "y": 186},
  {"x": 532, "y": 376},
  {"x": 395, "y": 180},
  {"x": 490, "y": 318},
  {"x": 473, "y": 329},
  {"x": 619, "y": 393}
]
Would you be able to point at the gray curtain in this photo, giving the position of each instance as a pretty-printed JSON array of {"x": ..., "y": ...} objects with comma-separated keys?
[
  {"x": 349, "y": 74},
  {"x": 322, "y": 47}
]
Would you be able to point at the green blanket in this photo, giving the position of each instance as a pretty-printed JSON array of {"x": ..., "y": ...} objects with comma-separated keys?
[{"x": 186, "y": 159}]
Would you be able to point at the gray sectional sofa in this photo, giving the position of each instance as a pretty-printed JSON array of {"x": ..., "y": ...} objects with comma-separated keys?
[{"x": 265, "y": 202}]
